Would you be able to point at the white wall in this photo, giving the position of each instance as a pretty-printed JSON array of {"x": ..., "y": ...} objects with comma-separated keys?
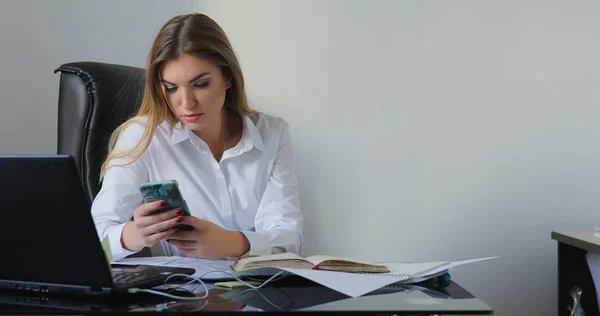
[
  {"x": 435, "y": 130},
  {"x": 424, "y": 130},
  {"x": 38, "y": 36}
]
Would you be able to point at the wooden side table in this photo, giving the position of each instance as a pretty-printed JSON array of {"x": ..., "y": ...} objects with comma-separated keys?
[{"x": 573, "y": 270}]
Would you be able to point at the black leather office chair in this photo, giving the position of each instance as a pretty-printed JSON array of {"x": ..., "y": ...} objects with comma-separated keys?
[{"x": 94, "y": 98}]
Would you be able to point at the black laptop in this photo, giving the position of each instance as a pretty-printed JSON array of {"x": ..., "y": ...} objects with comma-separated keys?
[{"x": 50, "y": 243}]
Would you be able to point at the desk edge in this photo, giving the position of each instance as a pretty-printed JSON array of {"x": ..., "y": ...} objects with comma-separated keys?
[{"x": 575, "y": 242}]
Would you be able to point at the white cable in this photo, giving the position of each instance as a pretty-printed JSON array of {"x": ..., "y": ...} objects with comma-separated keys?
[
  {"x": 199, "y": 280},
  {"x": 226, "y": 272},
  {"x": 194, "y": 279},
  {"x": 136, "y": 290},
  {"x": 255, "y": 287},
  {"x": 271, "y": 279}
]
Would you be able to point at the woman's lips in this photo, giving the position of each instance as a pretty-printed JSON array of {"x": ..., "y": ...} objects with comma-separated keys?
[{"x": 192, "y": 117}]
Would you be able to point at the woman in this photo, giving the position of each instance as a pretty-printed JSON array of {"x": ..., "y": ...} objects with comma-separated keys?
[{"x": 234, "y": 166}]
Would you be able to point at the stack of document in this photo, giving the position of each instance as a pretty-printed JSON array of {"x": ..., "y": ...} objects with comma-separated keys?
[{"x": 351, "y": 284}]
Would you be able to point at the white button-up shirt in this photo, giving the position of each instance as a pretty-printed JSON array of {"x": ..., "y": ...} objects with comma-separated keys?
[{"x": 253, "y": 189}]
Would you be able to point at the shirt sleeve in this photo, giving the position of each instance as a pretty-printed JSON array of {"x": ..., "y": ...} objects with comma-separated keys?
[
  {"x": 119, "y": 195},
  {"x": 278, "y": 222}
]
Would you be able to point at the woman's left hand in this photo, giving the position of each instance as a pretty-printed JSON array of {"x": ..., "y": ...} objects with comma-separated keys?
[{"x": 209, "y": 240}]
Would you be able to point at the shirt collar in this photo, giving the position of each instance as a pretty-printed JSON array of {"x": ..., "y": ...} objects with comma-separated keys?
[
  {"x": 250, "y": 134},
  {"x": 179, "y": 133}
]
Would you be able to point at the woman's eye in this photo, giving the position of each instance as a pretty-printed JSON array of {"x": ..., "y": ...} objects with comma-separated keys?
[
  {"x": 201, "y": 84},
  {"x": 170, "y": 89}
]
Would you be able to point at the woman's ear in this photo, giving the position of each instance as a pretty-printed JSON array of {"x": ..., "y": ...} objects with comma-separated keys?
[{"x": 227, "y": 75}]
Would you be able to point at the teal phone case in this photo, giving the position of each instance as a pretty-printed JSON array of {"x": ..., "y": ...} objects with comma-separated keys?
[{"x": 169, "y": 192}]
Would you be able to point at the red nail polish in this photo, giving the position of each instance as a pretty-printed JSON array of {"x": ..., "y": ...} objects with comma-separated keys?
[
  {"x": 179, "y": 212},
  {"x": 180, "y": 219},
  {"x": 162, "y": 203}
]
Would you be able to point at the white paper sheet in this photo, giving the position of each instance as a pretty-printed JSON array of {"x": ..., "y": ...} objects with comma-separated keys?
[
  {"x": 351, "y": 284},
  {"x": 447, "y": 268},
  {"x": 415, "y": 269},
  {"x": 421, "y": 271},
  {"x": 458, "y": 263}
]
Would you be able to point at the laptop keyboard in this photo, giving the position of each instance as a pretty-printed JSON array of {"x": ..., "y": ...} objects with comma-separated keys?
[{"x": 122, "y": 278}]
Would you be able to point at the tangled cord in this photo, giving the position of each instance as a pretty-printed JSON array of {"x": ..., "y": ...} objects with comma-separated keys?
[
  {"x": 205, "y": 293},
  {"x": 199, "y": 280}
]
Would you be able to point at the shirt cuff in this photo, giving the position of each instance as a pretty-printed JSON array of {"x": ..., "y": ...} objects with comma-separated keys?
[
  {"x": 114, "y": 239},
  {"x": 259, "y": 244}
]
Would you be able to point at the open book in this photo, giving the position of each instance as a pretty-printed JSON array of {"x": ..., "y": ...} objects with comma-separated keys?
[{"x": 319, "y": 262}]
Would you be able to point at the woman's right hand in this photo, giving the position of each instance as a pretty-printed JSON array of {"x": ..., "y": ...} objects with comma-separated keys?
[{"x": 147, "y": 229}]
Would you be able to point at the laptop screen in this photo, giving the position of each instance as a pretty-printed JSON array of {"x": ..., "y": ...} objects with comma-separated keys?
[{"x": 47, "y": 229}]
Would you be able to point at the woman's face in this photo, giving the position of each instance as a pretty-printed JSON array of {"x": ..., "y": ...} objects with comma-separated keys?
[{"x": 195, "y": 90}]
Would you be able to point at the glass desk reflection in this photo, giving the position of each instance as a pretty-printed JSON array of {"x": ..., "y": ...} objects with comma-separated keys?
[{"x": 289, "y": 294}]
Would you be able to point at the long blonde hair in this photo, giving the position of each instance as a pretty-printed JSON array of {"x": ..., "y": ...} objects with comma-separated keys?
[{"x": 195, "y": 34}]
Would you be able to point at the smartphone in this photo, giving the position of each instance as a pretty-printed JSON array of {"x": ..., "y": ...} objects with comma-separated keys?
[{"x": 168, "y": 191}]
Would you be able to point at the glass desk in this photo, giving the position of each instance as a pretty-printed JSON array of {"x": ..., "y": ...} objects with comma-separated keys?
[{"x": 289, "y": 294}]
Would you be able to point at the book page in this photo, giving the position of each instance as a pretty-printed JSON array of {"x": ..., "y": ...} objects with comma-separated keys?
[
  {"x": 269, "y": 260},
  {"x": 317, "y": 259}
]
